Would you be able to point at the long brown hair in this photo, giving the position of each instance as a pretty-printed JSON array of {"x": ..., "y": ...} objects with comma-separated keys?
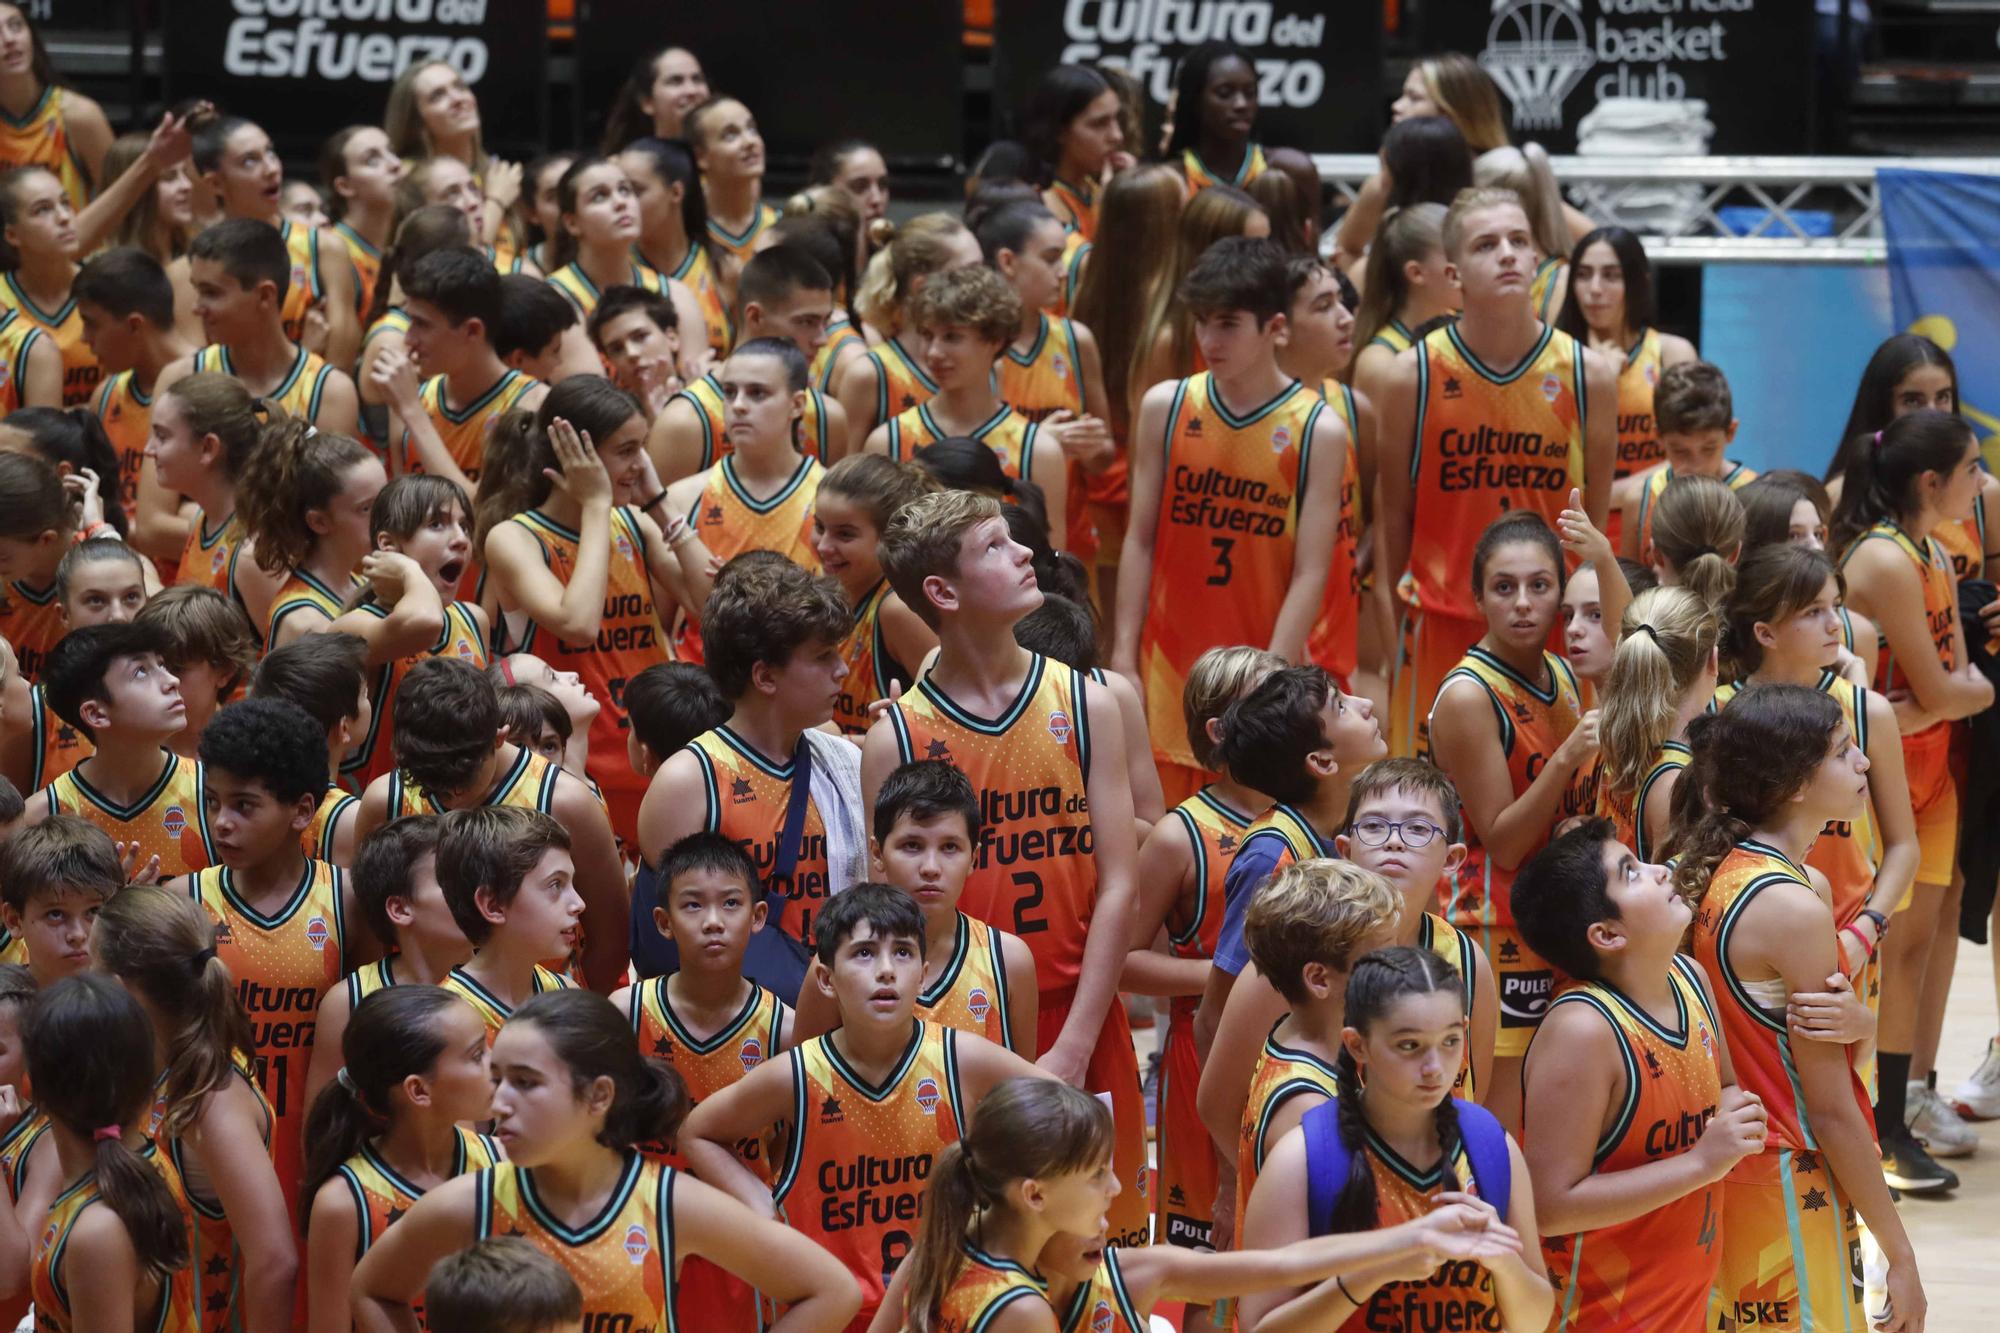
[
  {"x": 1405, "y": 236},
  {"x": 403, "y": 121},
  {"x": 1213, "y": 213},
  {"x": 518, "y": 453},
  {"x": 1465, "y": 93},
  {"x": 294, "y": 470},
  {"x": 1137, "y": 219},
  {"x": 1667, "y": 637},
  {"x": 142, "y": 225}
]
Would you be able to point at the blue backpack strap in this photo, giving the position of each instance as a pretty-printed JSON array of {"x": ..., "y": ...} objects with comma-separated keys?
[
  {"x": 1326, "y": 1166},
  {"x": 1486, "y": 1150}
]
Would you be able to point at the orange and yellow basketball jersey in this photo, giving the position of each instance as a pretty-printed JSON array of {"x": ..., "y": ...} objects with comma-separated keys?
[
  {"x": 1334, "y": 641},
  {"x": 1459, "y": 1295},
  {"x": 1048, "y": 377},
  {"x": 127, "y": 418},
  {"x": 900, "y": 383},
  {"x": 970, "y": 993},
  {"x": 31, "y": 621},
  {"x": 1639, "y": 444},
  {"x": 1542, "y": 287},
  {"x": 1007, "y": 433},
  {"x": 1736, "y": 478},
  {"x": 208, "y": 556},
  {"x": 859, "y": 1161},
  {"x": 629, "y": 639},
  {"x": 1940, "y": 602},
  {"x": 1625, "y": 811},
  {"x": 367, "y": 261},
  {"x": 464, "y": 429},
  {"x": 16, "y": 1144},
  {"x": 1760, "y": 1045},
  {"x": 1104, "y": 1304},
  {"x": 985, "y": 1286},
  {"x": 745, "y": 797},
  {"x": 871, "y": 669},
  {"x": 1080, "y": 202},
  {"x": 17, "y": 335},
  {"x": 40, "y": 138},
  {"x": 1655, "y": 1270},
  {"x": 1534, "y": 719},
  {"x": 493, "y": 1010},
  {"x": 168, "y": 821},
  {"x": 840, "y": 334},
  {"x": 699, "y": 275},
  {"x": 741, "y": 245},
  {"x": 308, "y": 284},
  {"x": 55, "y": 747},
  {"x": 1283, "y": 1072},
  {"x": 528, "y": 783},
  {"x": 1487, "y": 441},
  {"x": 284, "y": 963},
  {"x": 174, "y": 1310},
  {"x": 1035, "y": 874},
  {"x": 1200, "y": 176},
  {"x": 382, "y": 1194},
  {"x": 338, "y": 804},
  {"x": 623, "y": 1260},
  {"x": 298, "y": 393},
  {"x": 303, "y": 591},
  {"x": 81, "y": 373},
  {"x": 574, "y": 283},
  {"x": 731, "y": 521},
  {"x": 1231, "y": 498},
  {"x": 705, "y": 394},
  {"x": 1395, "y": 335},
  {"x": 709, "y": 1064},
  {"x": 217, "y": 1262}
]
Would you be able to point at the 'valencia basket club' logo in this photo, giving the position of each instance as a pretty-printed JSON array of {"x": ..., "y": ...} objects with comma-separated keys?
[
  {"x": 637, "y": 1243},
  {"x": 927, "y": 1095}
]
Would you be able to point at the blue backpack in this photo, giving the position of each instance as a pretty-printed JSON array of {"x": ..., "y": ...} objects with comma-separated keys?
[{"x": 1327, "y": 1160}]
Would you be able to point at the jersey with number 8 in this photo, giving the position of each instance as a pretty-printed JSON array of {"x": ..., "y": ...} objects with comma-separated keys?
[{"x": 1230, "y": 500}]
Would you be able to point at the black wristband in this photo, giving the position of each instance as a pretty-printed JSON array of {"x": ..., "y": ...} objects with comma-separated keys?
[
  {"x": 1341, "y": 1282},
  {"x": 648, "y": 504},
  {"x": 1881, "y": 921}
]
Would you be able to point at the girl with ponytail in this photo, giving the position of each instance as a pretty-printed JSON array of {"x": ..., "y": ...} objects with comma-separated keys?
[
  {"x": 423, "y": 230},
  {"x": 1697, "y": 534},
  {"x": 569, "y": 527},
  {"x": 889, "y": 378},
  {"x": 305, "y": 496},
  {"x": 1662, "y": 675},
  {"x": 205, "y": 428},
  {"x": 1770, "y": 772},
  {"x": 1393, "y": 1145},
  {"x": 1786, "y": 505},
  {"x": 674, "y": 241},
  {"x": 209, "y": 1115},
  {"x": 90, "y": 1061},
  {"x": 387, "y": 1130},
  {"x": 1403, "y": 288},
  {"x": 857, "y": 498},
  {"x": 572, "y": 1097},
  {"x": 1034, "y": 1162}
]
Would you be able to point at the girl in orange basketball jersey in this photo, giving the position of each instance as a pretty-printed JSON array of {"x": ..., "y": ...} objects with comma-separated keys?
[
  {"x": 674, "y": 241},
  {"x": 432, "y": 114},
  {"x": 204, "y": 429},
  {"x": 662, "y": 88},
  {"x": 729, "y": 152},
  {"x": 594, "y": 247},
  {"x": 126, "y": 1266},
  {"x": 1404, "y": 288},
  {"x": 305, "y": 497},
  {"x": 1510, "y": 730},
  {"x": 1770, "y": 772},
  {"x": 572, "y": 569},
  {"x": 1662, "y": 674},
  {"x": 448, "y": 181},
  {"x": 432, "y": 227},
  {"x": 209, "y": 1115},
  {"x": 45, "y": 123},
  {"x": 1697, "y": 532},
  {"x": 857, "y": 498},
  {"x": 40, "y": 228},
  {"x": 1786, "y": 505},
  {"x": 539, "y": 214},
  {"x": 1408, "y": 1145},
  {"x": 889, "y": 378},
  {"x": 1215, "y": 112},
  {"x": 387, "y": 1130},
  {"x": 1908, "y": 479},
  {"x": 856, "y": 166},
  {"x": 571, "y": 1098},
  {"x": 1073, "y": 130},
  {"x": 360, "y": 172}
]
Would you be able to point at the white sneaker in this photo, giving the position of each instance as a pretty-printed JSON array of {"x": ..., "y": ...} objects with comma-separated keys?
[
  {"x": 1978, "y": 1098},
  {"x": 1933, "y": 1121}
]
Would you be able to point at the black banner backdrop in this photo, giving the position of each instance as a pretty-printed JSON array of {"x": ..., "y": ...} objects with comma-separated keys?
[
  {"x": 1319, "y": 62},
  {"x": 812, "y": 71},
  {"x": 1749, "y": 60},
  {"x": 271, "y": 59}
]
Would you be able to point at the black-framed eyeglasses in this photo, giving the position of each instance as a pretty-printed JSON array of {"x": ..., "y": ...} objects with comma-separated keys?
[{"x": 1373, "y": 831}]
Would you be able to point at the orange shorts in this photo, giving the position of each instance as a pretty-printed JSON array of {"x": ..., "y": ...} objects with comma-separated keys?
[
  {"x": 1934, "y": 801},
  {"x": 1113, "y": 1071},
  {"x": 1791, "y": 1248},
  {"x": 1429, "y": 647},
  {"x": 1184, "y": 1193}
]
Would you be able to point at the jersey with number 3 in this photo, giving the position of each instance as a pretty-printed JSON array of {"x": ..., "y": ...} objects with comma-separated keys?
[{"x": 1231, "y": 492}]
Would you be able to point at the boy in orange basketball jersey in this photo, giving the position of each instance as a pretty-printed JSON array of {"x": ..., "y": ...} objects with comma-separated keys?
[
  {"x": 326, "y": 675},
  {"x": 533, "y": 319},
  {"x": 126, "y": 302},
  {"x": 53, "y": 879},
  {"x": 636, "y": 331},
  {"x": 869, "y": 1105},
  {"x": 783, "y": 293},
  {"x": 510, "y": 883},
  {"x": 452, "y": 753},
  {"x": 241, "y": 273},
  {"x": 111, "y": 682},
  {"x": 977, "y": 977},
  {"x": 773, "y": 634},
  {"x": 283, "y": 922},
  {"x": 1497, "y": 411},
  {"x": 452, "y": 298},
  {"x": 712, "y": 1024},
  {"x": 1696, "y": 419},
  {"x": 668, "y": 704},
  {"x": 1632, "y": 1108},
  {"x": 1046, "y": 749},
  {"x": 1223, "y": 464}
]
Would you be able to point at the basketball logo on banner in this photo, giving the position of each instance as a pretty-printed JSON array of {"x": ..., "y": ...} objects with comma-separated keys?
[{"x": 1537, "y": 50}]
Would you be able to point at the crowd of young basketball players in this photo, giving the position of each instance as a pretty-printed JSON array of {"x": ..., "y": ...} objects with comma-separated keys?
[{"x": 581, "y": 749}]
